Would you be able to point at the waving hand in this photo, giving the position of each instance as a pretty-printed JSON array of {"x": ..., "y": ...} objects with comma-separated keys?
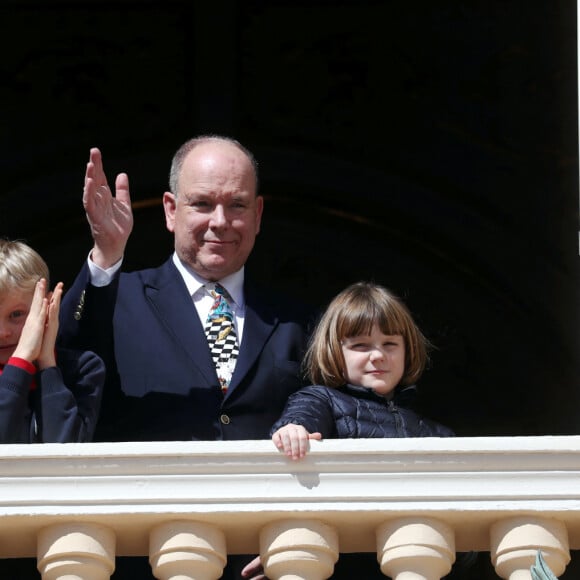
[{"x": 110, "y": 217}]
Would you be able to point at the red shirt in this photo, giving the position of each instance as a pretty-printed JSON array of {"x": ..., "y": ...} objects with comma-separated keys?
[{"x": 24, "y": 365}]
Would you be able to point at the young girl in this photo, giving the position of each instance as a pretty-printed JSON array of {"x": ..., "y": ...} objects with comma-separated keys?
[
  {"x": 46, "y": 395},
  {"x": 363, "y": 360}
]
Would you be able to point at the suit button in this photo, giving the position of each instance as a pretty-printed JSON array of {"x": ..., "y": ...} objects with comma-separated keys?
[{"x": 225, "y": 419}]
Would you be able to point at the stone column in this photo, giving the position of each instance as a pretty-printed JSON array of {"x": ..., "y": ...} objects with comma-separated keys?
[
  {"x": 415, "y": 548},
  {"x": 76, "y": 551},
  {"x": 186, "y": 550},
  {"x": 515, "y": 541},
  {"x": 300, "y": 549}
]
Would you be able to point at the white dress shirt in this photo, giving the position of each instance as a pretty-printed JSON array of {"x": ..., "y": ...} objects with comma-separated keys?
[{"x": 202, "y": 300}]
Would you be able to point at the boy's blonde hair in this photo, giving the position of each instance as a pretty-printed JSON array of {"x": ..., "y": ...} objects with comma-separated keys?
[
  {"x": 354, "y": 312},
  {"x": 20, "y": 266}
]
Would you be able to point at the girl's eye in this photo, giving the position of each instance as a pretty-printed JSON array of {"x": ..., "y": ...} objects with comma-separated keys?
[{"x": 359, "y": 345}]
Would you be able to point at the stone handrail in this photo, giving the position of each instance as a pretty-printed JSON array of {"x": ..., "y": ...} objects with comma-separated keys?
[{"x": 415, "y": 502}]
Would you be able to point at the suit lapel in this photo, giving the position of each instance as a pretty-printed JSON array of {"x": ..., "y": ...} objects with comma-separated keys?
[
  {"x": 259, "y": 323},
  {"x": 168, "y": 296}
]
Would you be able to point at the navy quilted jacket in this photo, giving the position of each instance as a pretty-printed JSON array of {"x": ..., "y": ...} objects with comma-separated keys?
[{"x": 357, "y": 412}]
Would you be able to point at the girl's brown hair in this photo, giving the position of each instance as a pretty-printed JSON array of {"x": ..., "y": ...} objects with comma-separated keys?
[{"x": 354, "y": 312}]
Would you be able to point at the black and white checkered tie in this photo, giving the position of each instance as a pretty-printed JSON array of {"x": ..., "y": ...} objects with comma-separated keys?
[{"x": 221, "y": 335}]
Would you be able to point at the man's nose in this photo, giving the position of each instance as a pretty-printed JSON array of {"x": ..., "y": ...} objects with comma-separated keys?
[{"x": 218, "y": 217}]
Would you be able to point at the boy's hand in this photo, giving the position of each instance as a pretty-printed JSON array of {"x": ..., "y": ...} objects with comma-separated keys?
[
  {"x": 31, "y": 337},
  {"x": 46, "y": 356},
  {"x": 293, "y": 440}
]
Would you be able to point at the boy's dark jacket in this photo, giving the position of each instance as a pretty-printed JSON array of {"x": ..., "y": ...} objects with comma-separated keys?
[{"x": 64, "y": 405}]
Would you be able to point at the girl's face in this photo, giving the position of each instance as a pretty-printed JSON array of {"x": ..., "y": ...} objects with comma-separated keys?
[
  {"x": 14, "y": 308},
  {"x": 375, "y": 361}
]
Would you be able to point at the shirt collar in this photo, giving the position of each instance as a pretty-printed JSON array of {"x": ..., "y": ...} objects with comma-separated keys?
[{"x": 233, "y": 283}]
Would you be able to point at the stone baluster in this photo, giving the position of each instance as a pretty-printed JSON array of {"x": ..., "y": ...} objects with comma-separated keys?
[
  {"x": 298, "y": 549},
  {"x": 515, "y": 541},
  {"x": 415, "y": 548},
  {"x": 76, "y": 551},
  {"x": 186, "y": 550}
]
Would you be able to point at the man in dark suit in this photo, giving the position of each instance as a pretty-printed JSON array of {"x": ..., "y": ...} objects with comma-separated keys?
[{"x": 148, "y": 325}]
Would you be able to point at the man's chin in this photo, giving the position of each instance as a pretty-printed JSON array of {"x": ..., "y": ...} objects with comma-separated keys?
[{"x": 217, "y": 267}]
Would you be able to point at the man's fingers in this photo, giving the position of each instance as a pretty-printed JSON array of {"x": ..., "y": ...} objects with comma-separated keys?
[
  {"x": 90, "y": 196},
  {"x": 95, "y": 155},
  {"x": 96, "y": 159},
  {"x": 93, "y": 165},
  {"x": 122, "y": 188}
]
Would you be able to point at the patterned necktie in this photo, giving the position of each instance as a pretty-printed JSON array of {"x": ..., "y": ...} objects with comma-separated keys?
[{"x": 221, "y": 335}]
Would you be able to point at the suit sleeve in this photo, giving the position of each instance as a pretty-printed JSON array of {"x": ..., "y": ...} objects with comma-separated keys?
[
  {"x": 69, "y": 400},
  {"x": 86, "y": 317}
]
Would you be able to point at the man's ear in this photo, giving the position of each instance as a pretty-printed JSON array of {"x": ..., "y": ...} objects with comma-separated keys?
[
  {"x": 259, "y": 212},
  {"x": 169, "y": 204}
]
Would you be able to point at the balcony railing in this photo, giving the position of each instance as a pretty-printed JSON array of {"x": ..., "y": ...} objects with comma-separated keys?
[{"x": 186, "y": 505}]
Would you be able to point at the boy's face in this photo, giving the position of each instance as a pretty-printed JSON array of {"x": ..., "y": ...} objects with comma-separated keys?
[{"x": 14, "y": 308}]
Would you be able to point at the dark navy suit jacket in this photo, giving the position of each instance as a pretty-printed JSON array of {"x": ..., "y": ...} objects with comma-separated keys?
[{"x": 161, "y": 381}]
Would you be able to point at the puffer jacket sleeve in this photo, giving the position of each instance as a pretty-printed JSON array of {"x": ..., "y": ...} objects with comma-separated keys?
[
  {"x": 429, "y": 428},
  {"x": 310, "y": 407}
]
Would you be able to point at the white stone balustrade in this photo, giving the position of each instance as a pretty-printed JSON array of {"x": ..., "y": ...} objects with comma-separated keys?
[
  {"x": 515, "y": 542},
  {"x": 186, "y": 505},
  {"x": 298, "y": 549},
  {"x": 187, "y": 550},
  {"x": 415, "y": 548},
  {"x": 70, "y": 551}
]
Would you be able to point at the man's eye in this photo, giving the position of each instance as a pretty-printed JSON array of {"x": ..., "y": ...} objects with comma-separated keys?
[{"x": 200, "y": 204}]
